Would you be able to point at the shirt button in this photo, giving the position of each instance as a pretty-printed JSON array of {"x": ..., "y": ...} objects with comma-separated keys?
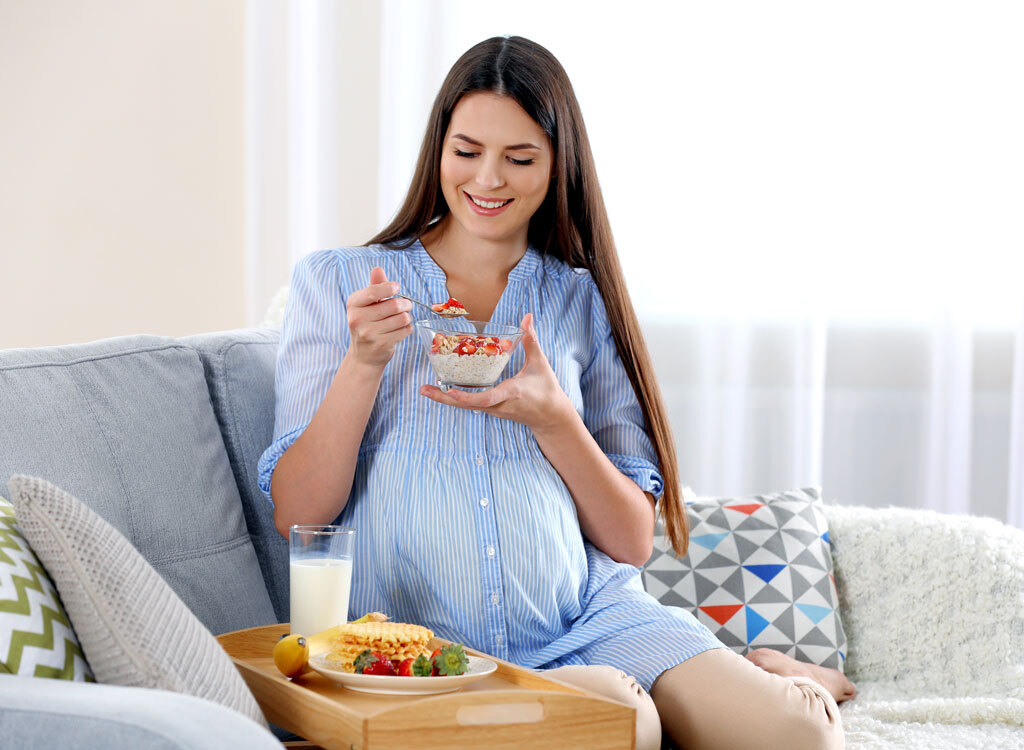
[
  {"x": 490, "y": 551},
  {"x": 477, "y": 411},
  {"x": 484, "y": 501},
  {"x": 495, "y": 598},
  {"x": 479, "y": 460},
  {"x": 499, "y": 639}
]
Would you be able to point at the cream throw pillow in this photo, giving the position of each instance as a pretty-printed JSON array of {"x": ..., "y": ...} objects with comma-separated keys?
[{"x": 133, "y": 628}]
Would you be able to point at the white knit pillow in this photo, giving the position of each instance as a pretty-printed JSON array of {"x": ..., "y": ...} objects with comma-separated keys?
[{"x": 133, "y": 628}]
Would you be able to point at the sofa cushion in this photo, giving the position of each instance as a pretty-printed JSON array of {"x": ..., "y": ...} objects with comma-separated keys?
[
  {"x": 36, "y": 638},
  {"x": 127, "y": 426},
  {"x": 135, "y": 630},
  {"x": 239, "y": 369},
  {"x": 758, "y": 573},
  {"x": 75, "y": 716}
]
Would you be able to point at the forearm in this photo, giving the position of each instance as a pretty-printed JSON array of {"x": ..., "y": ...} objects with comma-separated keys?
[
  {"x": 614, "y": 513},
  {"x": 313, "y": 478}
]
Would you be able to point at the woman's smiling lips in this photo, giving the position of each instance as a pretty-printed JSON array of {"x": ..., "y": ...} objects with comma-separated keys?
[{"x": 500, "y": 204}]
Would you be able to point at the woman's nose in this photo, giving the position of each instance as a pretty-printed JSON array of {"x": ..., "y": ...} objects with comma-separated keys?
[{"x": 489, "y": 175}]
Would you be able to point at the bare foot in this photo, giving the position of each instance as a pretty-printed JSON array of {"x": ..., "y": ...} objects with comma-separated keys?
[{"x": 779, "y": 663}]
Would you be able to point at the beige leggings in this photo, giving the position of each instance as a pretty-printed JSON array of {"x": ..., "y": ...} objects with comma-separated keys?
[{"x": 717, "y": 700}]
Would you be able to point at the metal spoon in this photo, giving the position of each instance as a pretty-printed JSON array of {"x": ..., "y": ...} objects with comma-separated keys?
[{"x": 428, "y": 307}]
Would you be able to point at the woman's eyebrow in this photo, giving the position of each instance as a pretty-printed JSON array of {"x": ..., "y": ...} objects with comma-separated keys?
[{"x": 516, "y": 147}]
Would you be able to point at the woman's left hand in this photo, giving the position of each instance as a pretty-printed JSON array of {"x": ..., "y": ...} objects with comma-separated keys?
[{"x": 533, "y": 396}]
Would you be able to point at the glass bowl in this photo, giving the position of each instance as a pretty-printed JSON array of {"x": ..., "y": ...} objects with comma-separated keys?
[{"x": 467, "y": 353}]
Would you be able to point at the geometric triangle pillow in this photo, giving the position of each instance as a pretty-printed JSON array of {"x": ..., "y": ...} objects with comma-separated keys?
[
  {"x": 758, "y": 574},
  {"x": 36, "y": 638}
]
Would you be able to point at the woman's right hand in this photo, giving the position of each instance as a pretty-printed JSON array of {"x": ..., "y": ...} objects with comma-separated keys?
[{"x": 377, "y": 327}]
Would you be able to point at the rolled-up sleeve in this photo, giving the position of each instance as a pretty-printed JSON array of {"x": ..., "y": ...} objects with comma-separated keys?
[
  {"x": 611, "y": 410},
  {"x": 314, "y": 339}
]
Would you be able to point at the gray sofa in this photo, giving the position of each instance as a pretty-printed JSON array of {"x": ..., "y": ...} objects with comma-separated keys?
[{"x": 161, "y": 437}]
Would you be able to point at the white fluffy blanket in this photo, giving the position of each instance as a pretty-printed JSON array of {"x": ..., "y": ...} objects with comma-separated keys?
[{"x": 933, "y": 607}]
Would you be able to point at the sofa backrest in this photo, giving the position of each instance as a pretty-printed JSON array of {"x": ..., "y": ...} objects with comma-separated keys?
[
  {"x": 128, "y": 427},
  {"x": 239, "y": 369}
]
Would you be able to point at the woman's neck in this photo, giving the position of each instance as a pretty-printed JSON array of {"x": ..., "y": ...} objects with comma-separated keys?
[
  {"x": 452, "y": 247},
  {"x": 476, "y": 270}
]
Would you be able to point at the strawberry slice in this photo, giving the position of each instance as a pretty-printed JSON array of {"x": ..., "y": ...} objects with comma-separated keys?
[
  {"x": 490, "y": 349},
  {"x": 450, "y": 308},
  {"x": 505, "y": 345}
]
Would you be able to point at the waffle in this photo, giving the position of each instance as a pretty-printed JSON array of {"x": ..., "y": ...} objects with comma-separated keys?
[{"x": 395, "y": 640}]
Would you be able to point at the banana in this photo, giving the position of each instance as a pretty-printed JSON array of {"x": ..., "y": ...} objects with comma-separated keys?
[
  {"x": 291, "y": 653},
  {"x": 321, "y": 642}
]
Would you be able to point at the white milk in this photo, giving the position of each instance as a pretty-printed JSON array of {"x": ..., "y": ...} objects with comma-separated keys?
[{"x": 319, "y": 594}]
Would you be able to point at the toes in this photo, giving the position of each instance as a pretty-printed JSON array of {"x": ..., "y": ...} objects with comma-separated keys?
[{"x": 757, "y": 656}]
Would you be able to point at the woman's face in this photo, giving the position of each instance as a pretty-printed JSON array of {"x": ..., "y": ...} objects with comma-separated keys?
[{"x": 495, "y": 167}]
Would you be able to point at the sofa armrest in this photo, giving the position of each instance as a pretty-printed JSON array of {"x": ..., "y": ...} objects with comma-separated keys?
[
  {"x": 932, "y": 604},
  {"x": 37, "y": 712}
]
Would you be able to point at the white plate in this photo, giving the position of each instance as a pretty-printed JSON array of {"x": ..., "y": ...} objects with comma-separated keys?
[{"x": 388, "y": 685}]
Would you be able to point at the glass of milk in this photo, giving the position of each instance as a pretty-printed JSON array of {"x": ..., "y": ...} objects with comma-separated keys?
[{"x": 320, "y": 576}]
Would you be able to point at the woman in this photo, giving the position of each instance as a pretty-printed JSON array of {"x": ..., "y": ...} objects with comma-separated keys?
[{"x": 513, "y": 519}]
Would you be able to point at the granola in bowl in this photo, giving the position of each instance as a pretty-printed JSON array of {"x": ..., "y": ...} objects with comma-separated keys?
[{"x": 468, "y": 353}]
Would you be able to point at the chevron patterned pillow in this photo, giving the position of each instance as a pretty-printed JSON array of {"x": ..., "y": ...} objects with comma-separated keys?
[
  {"x": 36, "y": 638},
  {"x": 758, "y": 573}
]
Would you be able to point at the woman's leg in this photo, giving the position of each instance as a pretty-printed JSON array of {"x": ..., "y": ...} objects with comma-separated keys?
[
  {"x": 615, "y": 684},
  {"x": 717, "y": 700}
]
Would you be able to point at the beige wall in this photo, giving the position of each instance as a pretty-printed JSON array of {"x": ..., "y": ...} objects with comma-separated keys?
[{"x": 122, "y": 168}]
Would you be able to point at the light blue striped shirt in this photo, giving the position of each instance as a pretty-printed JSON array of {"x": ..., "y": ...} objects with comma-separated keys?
[{"x": 462, "y": 523}]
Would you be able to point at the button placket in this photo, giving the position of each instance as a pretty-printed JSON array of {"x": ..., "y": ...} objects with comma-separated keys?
[{"x": 492, "y": 619}]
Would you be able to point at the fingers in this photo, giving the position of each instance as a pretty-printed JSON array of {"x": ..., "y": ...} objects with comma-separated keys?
[
  {"x": 481, "y": 399},
  {"x": 378, "y": 289},
  {"x": 366, "y": 306},
  {"x": 377, "y": 311},
  {"x": 464, "y": 399},
  {"x": 531, "y": 344},
  {"x": 373, "y": 294},
  {"x": 367, "y": 323}
]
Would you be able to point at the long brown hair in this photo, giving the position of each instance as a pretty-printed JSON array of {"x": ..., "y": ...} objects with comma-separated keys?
[{"x": 571, "y": 223}]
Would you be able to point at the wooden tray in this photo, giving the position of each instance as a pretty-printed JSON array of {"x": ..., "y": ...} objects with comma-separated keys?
[{"x": 511, "y": 708}]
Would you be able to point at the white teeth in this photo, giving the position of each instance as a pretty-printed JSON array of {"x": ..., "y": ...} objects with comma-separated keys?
[{"x": 489, "y": 204}]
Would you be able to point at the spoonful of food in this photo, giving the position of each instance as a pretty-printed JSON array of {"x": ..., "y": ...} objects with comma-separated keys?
[{"x": 450, "y": 309}]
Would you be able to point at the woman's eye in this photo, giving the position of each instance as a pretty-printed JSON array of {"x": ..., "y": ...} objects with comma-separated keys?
[
  {"x": 464, "y": 154},
  {"x": 521, "y": 162}
]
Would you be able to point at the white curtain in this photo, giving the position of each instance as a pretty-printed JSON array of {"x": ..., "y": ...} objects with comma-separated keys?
[{"x": 818, "y": 209}]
